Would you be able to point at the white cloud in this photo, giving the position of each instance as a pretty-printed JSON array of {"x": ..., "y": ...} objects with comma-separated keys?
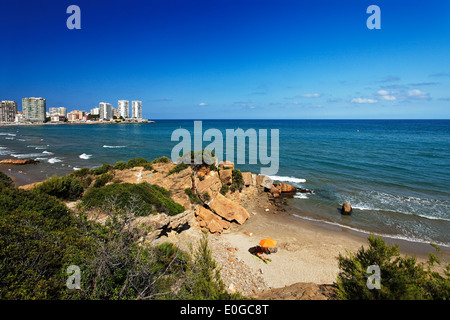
[
  {"x": 418, "y": 94},
  {"x": 310, "y": 95},
  {"x": 363, "y": 100},
  {"x": 202, "y": 104},
  {"x": 386, "y": 96}
]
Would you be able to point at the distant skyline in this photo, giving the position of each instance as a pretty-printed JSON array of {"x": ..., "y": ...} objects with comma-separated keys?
[{"x": 232, "y": 59}]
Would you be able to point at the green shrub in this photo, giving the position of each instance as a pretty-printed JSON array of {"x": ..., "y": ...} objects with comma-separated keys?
[
  {"x": 101, "y": 170},
  {"x": 120, "y": 165},
  {"x": 65, "y": 188},
  {"x": 208, "y": 157},
  {"x": 81, "y": 172},
  {"x": 401, "y": 277},
  {"x": 205, "y": 281},
  {"x": 206, "y": 196},
  {"x": 238, "y": 181},
  {"x": 103, "y": 179},
  {"x": 5, "y": 181},
  {"x": 161, "y": 160},
  {"x": 178, "y": 168},
  {"x": 149, "y": 198},
  {"x": 225, "y": 188},
  {"x": 193, "y": 198}
]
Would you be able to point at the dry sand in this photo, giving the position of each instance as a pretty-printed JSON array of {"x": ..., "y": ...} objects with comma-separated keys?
[{"x": 306, "y": 252}]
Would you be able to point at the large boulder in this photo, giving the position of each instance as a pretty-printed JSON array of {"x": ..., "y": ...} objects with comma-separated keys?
[
  {"x": 247, "y": 177},
  {"x": 226, "y": 176},
  {"x": 286, "y": 188},
  {"x": 210, "y": 220},
  {"x": 346, "y": 209},
  {"x": 162, "y": 223},
  {"x": 210, "y": 185},
  {"x": 228, "y": 209},
  {"x": 226, "y": 165},
  {"x": 264, "y": 181}
]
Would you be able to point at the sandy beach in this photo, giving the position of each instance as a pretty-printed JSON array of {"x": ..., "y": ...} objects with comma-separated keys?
[{"x": 307, "y": 252}]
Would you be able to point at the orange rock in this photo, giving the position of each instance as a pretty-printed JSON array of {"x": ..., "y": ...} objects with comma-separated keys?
[{"x": 228, "y": 209}]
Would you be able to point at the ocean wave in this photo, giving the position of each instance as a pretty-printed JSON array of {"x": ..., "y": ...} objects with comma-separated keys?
[
  {"x": 85, "y": 156},
  {"x": 7, "y": 134},
  {"x": 301, "y": 195},
  {"x": 9, "y": 138},
  {"x": 54, "y": 160},
  {"x": 287, "y": 179},
  {"x": 47, "y": 152},
  {"x": 393, "y": 236},
  {"x": 114, "y": 147},
  {"x": 38, "y": 147},
  {"x": 378, "y": 201},
  {"x": 25, "y": 155},
  {"x": 76, "y": 168}
]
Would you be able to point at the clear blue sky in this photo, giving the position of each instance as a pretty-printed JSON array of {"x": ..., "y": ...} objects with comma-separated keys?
[{"x": 231, "y": 58}]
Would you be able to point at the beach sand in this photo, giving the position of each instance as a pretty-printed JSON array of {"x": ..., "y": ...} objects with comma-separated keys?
[{"x": 307, "y": 252}]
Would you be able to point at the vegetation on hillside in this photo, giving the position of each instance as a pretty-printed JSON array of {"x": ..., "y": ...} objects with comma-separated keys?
[
  {"x": 401, "y": 278},
  {"x": 40, "y": 238}
]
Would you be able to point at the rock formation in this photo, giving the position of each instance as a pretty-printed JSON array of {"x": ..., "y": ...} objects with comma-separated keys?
[
  {"x": 18, "y": 161},
  {"x": 346, "y": 209},
  {"x": 228, "y": 209}
]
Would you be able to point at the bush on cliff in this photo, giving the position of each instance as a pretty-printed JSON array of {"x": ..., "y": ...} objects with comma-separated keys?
[
  {"x": 39, "y": 237},
  {"x": 148, "y": 199},
  {"x": 64, "y": 188},
  {"x": 400, "y": 277},
  {"x": 5, "y": 181}
]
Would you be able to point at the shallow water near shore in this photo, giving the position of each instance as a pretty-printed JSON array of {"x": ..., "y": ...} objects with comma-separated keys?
[{"x": 394, "y": 173}]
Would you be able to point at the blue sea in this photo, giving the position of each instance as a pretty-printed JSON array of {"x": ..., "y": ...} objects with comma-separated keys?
[{"x": 394, "y": 173}]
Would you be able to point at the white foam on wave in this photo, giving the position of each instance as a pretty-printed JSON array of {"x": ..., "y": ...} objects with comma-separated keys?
[
  {"x": 113, "y": 147},
  {"x": 287, "y": 179},
  {"x": 9, "y": 138},
  {"x": 54, "y": 160},
  {"x": 47, "y": 152},
  {"x": 378, "y": 201},
  {"x": 25, "y": 155},
  {"x": 38, "y": 147},
  {"x": 7, "y": 134},
  {"x": 76, "y": 168},
  {"x": 85, "y": 156},
  {"x": 301, "y": 196}
]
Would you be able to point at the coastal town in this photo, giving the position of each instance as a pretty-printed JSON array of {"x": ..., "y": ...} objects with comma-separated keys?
[{"x": 34, "y": 111}]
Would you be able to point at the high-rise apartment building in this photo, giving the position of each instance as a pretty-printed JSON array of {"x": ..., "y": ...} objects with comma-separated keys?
[
  {"x": 8, "y": 110},
  {"x": 106, "y": 111},
  {"x": 34, "y": 109},
  {"x": 124, "y": 108},
  {"x": 136, "y": 109},
  {"x": 61, "y": 111},
  {"x": 95, "y": 111}
]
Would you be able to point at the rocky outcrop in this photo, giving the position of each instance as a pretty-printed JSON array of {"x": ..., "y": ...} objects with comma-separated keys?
[
  {"x": 346, "y": 209},
  {"x": 210, "y": 185},
  {"x": 19, "y": 161},
  {"x": 209, "y": 220},
  {"x": 226, "y": 165},
  {"x": 162, "y": 223},
  {"x": 228, "y": 209},
  {"x": 300, "y": 291},
  {"x": 247, "y": 177},
  {"x": 264, "y": 181},
  {"x": 226, "y": 176}
]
